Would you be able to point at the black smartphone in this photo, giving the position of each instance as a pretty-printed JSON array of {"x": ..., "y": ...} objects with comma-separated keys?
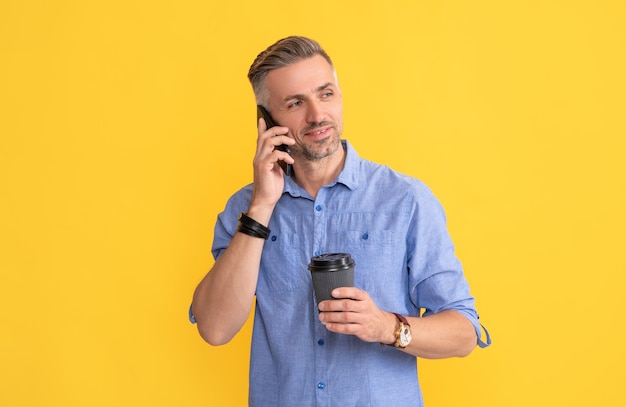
[{"x": 269, "y": 121}]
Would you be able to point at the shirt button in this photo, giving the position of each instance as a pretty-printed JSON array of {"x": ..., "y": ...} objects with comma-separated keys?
[
  {"x": 318, "y": 253},
  {"x": 321, "y": 386},
  {"x": 274, "y": 238},
  {"x": 320, "y": 342},
  {"x": 365, "y": 236},
  {"x": 318, "y": 208}
]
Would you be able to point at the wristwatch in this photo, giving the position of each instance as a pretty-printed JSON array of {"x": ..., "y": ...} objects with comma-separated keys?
[{"x": 403, "y": 333}]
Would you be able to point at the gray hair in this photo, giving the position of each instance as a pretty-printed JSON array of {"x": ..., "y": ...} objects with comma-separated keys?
[{"x": 282, "y": 53}]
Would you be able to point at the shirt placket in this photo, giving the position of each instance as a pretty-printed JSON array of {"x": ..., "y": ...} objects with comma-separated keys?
[{"x": 322, "y": 389}]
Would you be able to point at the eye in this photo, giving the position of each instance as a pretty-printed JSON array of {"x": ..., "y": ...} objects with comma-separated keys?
[
  {"x": 326, "y": 95},
  {"x": 294, "y": 104}
]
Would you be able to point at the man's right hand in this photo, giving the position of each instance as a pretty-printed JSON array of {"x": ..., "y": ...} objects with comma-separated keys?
[{"x": 268, "y": 176}]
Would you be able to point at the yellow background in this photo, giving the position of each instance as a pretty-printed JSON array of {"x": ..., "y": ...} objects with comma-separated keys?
[{"x": 125, "y": 125}]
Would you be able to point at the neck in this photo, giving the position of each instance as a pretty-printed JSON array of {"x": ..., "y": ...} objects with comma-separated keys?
[{"x": 313, "y": 175}]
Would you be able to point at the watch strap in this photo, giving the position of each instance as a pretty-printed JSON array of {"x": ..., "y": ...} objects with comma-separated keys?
[
  {"x": 404, "y": 324},
  {"x": 402, "y": 319}
]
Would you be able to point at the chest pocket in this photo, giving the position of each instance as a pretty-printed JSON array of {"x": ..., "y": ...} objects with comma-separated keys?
[
  {"x": 379, "y": 256},
  {"x": 283, "y": 265}
]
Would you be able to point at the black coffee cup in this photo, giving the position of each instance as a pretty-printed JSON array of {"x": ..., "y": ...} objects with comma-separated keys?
[{"x": 329, "y": 271}]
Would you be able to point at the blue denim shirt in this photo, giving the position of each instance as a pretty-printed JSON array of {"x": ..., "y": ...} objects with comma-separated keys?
[{"x": 395, "y": 230}]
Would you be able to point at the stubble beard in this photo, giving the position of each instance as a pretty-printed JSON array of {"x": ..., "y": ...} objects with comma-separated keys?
[{"x": 322, "y": 148}]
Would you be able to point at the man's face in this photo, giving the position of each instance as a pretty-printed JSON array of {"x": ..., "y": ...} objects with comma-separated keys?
[{"x": 305, "y": 98}]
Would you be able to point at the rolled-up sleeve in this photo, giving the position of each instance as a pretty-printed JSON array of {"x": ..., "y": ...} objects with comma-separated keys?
[{"x": 436, "y": 277}]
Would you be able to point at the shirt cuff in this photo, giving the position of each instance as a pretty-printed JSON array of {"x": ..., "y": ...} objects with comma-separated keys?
[
  {"x": 482, "y": 344},
  {"x": 191, "y": 318}
]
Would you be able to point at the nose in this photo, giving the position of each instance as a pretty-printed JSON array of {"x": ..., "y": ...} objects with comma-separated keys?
[{"x": 315, "y": 113}]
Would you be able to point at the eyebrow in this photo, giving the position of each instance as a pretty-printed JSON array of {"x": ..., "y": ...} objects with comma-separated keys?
[{"x": 302, "y": 96}]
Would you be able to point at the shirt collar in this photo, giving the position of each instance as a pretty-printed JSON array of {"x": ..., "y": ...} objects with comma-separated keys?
[{"x": 349, "y": 175}]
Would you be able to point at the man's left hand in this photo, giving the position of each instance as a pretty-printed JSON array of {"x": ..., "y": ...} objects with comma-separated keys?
[{"x": 353, "y": 312}]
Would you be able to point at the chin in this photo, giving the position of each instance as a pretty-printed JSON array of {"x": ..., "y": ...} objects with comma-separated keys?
[{"x": 323, "y": 148}]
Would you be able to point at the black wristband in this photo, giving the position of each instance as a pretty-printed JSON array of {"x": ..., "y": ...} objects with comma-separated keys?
[{"x": 251, "y": 227}]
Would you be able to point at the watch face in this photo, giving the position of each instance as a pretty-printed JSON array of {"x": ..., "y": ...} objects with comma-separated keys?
[{"x": 405, "y": 335}]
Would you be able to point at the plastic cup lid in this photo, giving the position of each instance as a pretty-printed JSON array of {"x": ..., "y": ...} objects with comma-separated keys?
[{"x": 331, "y": 262}]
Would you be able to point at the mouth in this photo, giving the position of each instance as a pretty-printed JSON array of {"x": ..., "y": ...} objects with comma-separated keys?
[{"x": 319, "y": 132}]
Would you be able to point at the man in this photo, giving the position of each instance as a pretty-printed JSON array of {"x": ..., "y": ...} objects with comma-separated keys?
[{"x": 330, "y": 354}]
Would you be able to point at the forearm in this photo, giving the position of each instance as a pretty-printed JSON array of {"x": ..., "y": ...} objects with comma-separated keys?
[
  {"x": 442, "y": 335},
  {"x": 223, "y": 299}
]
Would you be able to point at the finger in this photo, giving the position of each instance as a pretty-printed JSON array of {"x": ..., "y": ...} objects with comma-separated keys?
[
  {"x": 283, "y": 156},
  {"x": 332, "y": 305},
  {"x": 262, "y": 125},
  {"x": 338, "y": 317},
  {"x": 349, "y": 292},
  {"x": 344, "y": 305},
  {"x": 269, "y": 140},
  {"x": 265, "y": 132},
  {"x": 348, "y": 329}
]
